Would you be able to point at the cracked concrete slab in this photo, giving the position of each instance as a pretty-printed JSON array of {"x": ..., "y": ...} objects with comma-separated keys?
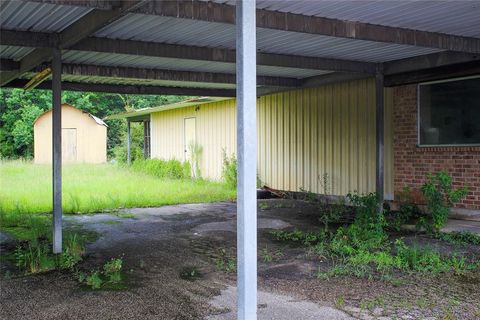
[
  {"x": 272, "y": 306},
  {"x": 231, "y": 225}
]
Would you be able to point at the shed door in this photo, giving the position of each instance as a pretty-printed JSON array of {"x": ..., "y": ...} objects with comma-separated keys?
[
  {"x": 69, "y": 145},
  {"x": 190, "y": 137}
]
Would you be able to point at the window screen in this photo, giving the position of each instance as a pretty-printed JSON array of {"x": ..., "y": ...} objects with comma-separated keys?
[{"x": 450, "y": 112}]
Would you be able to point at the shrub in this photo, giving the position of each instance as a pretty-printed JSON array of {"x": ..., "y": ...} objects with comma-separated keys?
[
  {"x": 229, "y": 169},
  {"x": 440, "y": 196},
  {"x": 172, "y": 169},
  {"x": 408, "y": 210},
  {"x": 369, "y": 221},
  {"x": 332, "y": 213}
]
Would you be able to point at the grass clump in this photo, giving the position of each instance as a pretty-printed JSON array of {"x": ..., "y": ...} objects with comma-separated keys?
[
  {"x": 171, "y": 169},
  {"x": 36, "y": 256},
  {"x": 229, "y": 169}
]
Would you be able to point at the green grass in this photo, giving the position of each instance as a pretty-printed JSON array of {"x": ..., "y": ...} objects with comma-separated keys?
[{"x": 26, "y": 188}]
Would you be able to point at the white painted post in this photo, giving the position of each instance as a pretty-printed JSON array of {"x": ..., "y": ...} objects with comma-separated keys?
[
  {"x": 247, "y": 161},
  {"x": 57, "y": 149}
]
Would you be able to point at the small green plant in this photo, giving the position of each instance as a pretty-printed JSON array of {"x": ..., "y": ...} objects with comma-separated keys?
[
  {"x": 190, "y": 274},
  {"x": 440, "y": 197},
  {"x": 229, "y": 169},
  {"x": 459, "y": 237},
  {"x": 109, "y": 277},
  {"x": 225, "y": 262},
  {"x": 267, "y": 257},
  {"x": 331, "y": 213},
  {"x": 195, "y": 152},
  {"x": 72, "y": 253},
  {"x": 112, "y": 270},
  {"x": 340, "y": 302},
  {"x": 94, "y": 280},
  {"x": 298, "y": 236},
  {"x": 263, "y": 206}
]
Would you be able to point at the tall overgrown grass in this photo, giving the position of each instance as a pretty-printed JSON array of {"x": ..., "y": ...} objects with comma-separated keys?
[
  {"x": 26, "y": 188},
  {"x": 171, "y": 169}
]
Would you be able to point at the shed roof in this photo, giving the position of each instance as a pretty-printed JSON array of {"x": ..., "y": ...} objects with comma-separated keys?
[
  {"x": 187, "y": 47},
  {"x": 96, "y": 119}
]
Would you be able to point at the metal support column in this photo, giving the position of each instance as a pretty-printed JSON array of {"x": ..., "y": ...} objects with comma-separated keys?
[
  {"x": 247, "y": 161},
  {"x": 380, "y": 135},
  {"x": 57, "y": 149},
  {"x": 129, "y": 138}
]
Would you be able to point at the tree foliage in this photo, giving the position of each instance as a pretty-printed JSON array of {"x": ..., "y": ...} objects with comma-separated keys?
[{"x": 19, "y": 109}]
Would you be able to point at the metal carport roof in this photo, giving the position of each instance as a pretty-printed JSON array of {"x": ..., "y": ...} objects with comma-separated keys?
[
  {"x": 188, "y": 47},
  {"x": 166, "y": 47}
]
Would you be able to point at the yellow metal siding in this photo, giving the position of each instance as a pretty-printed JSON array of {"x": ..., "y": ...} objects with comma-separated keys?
[
  {"x": 303, "y": 135},
  {"x": 215, "y": 130}
]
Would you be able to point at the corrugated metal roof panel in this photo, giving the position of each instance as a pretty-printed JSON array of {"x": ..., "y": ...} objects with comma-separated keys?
[
  {"x": 218, "y": 35},
  {"x": 137, "y": 82},
  {"x": 73, "y": 56},
  {"x": 42, "y": 17},
  {"x": 13, "y": 52},
  {"x": 453, "y": 17}
]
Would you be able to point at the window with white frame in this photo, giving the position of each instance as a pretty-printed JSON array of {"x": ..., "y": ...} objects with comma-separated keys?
[{"x": 449, "y": 112}]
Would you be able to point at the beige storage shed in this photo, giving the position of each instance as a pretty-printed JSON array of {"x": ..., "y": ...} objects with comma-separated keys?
[{"x": 84, "y": 137}]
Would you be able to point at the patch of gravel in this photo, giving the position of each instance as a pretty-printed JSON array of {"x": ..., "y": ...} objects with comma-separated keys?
[{"x": 161, "y": 242}]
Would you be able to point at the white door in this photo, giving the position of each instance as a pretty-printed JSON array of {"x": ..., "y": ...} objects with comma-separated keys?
[
  {"x": 190, "y": 137},
  {"x": 69, "y": 145}
]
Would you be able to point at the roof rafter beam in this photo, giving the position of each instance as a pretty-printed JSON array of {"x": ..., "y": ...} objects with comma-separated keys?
[
  {"x": 9, "y": 65},
  {"x": 223, "y": 13},
  {"x": 215, "y": 12},
  {"x": 168, "y": 75},
  {"x": 433, "y": 60},
  {"x": 96, "y": 44},
  {"x": 78, "y": 30},
  {"x": 444, "y": 72},
  {"x": 335, "y": 77},
  {"x": 129, "y": 89}
]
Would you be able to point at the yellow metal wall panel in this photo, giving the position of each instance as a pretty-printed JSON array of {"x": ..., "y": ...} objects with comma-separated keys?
[{"x": 303, "y": 136}]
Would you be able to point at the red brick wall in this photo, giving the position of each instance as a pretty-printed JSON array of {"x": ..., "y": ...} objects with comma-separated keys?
[{"x": 412, "y": 163}]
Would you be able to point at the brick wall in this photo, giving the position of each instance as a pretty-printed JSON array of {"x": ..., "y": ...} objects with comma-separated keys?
[{"x": 412, "y": 163}]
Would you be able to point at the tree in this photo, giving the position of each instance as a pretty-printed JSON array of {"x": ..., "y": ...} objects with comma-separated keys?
[{"x": 19, "y": 109}]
